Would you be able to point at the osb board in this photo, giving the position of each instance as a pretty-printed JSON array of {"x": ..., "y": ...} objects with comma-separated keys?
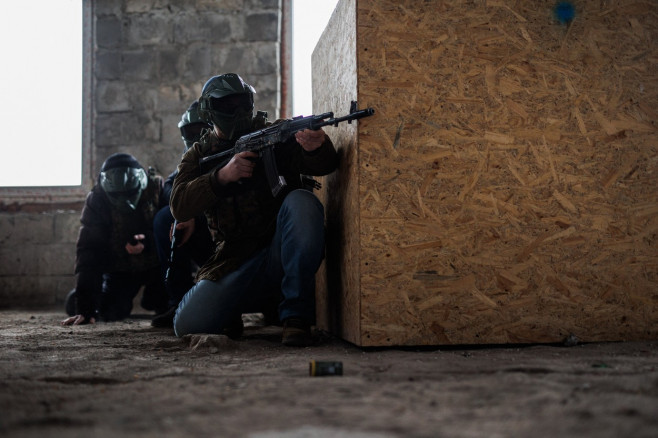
[
  {"x": 507, "y": 186},
  {"x": 334, "y": 87}
]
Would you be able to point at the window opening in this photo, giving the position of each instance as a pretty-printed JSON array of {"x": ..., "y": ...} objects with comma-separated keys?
[{"x": 43, "y": 96}]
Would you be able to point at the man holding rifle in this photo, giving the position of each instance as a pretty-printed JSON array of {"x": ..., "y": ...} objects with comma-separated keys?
[{"x": 268, "y": 247}]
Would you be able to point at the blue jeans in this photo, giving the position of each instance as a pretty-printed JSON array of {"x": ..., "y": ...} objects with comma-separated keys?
[{"x": 282, "y": 273}]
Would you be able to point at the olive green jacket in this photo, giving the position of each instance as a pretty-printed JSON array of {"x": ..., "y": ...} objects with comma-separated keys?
[{"x": 241, "y": 216}]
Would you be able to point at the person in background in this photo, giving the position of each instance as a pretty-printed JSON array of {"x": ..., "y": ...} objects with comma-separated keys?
[
  {"x": 268, "y": 248},
  {"x": 115, "y": 252},
  {"x": 193, "y": 244}
]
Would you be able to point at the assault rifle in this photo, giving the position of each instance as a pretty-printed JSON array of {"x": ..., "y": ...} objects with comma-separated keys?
[{"x": 265, "y": 140}]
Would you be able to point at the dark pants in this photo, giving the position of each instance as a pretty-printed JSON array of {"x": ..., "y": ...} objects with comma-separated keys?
[
  {"x": 120, "y": 289},
  {"x": 186, "y": 258},
  {"x": 117, "y": 292}
]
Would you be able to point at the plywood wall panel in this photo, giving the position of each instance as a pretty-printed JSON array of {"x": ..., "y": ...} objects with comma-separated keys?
[
  {"x": 334, "y": 87},
  {"x": 507, "y": 185}
]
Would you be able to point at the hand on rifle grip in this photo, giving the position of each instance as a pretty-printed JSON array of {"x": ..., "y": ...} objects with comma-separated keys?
[{"x": 240, "y": 166}]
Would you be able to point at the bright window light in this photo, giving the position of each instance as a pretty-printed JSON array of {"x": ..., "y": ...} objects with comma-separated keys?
[
  {"x": 41, "y": 89},
  {"x": 309, "y": 19},
  {"x": 41, "y": 86}
]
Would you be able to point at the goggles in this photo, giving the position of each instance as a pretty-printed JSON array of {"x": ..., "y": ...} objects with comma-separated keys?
[
  {"x": 124, "y": 185},
  {"x": 192, "y": 132},
  {"x": 231, "y": 104}
]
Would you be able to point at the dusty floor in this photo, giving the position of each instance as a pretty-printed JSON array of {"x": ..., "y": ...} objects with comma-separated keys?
[{"x": 129, "y": 379}]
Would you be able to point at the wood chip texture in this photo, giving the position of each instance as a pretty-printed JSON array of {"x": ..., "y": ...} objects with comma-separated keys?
[{"x": 506, "y": 190}]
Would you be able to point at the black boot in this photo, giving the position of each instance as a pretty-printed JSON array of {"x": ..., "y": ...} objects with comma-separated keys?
[
  {"x": 235, "y": 329},
  {"x": 166, "y": 319},
  {"x": 70, "y": 303},
  {"x": 296, "y": 333}
]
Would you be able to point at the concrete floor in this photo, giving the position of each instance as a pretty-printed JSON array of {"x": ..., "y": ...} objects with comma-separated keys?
[{"x": 129, "y": 379}]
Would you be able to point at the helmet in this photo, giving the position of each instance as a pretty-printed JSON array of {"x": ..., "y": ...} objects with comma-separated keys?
[
  {"x": 227, "y": 102},
  {"x": 191, "y": 125},
  {"x": 123, "y": 179}
]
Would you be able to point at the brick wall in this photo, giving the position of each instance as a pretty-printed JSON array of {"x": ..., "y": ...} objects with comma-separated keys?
[{"x": 149, "y": 61}]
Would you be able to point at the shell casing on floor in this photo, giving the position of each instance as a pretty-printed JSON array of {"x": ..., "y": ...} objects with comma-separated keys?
[{"x": 325, "y": 368}]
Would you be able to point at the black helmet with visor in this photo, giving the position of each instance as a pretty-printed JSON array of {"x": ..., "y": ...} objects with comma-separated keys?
[
  {"x": 123, "y": 179},
  {"x": 228, "y": 102},
  {"x": 192, "y": 125}
]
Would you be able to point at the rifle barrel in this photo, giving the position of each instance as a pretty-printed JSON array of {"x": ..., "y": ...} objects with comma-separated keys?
[{"x": 352, "y": 116}]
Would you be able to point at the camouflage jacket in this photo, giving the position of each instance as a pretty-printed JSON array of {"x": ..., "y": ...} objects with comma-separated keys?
[{"x": 241, "y": 216}]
